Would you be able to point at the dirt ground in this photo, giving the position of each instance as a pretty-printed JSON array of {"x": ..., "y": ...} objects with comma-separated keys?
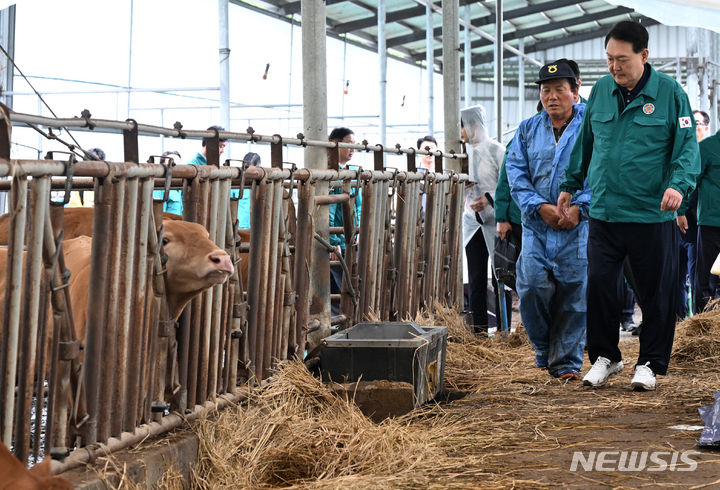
[
  {"x": 546, "y": 422},
  {"x": 541, "y": 422}
]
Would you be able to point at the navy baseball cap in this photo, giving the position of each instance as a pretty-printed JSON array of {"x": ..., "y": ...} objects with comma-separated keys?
[{"x": 555, "y": 70}]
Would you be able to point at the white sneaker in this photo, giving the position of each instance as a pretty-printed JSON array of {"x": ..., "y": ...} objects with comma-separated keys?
[
  {"x": 601, "y": 370},
  {"x": 644, "y": 379}
]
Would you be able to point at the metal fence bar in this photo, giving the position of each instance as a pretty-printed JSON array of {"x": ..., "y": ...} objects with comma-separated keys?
[
  {"x": 408, "y": 255},
  {"x": 30, "y": 319}
]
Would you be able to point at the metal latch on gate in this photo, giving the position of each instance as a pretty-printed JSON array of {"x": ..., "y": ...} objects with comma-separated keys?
[
  {"x": 69, "y": 350},
  {"x": 166, "y": 327}
]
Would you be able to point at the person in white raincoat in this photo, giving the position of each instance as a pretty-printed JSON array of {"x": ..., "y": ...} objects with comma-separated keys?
[{"x": 485, "y": 158}]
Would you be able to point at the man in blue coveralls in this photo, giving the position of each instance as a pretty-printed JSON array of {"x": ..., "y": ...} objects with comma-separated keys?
[
  {"x": 552, "y": 269},
  {"x": 638, "y": 152}
]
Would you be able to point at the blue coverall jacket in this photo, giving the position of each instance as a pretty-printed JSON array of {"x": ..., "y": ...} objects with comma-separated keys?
[{"x": 552, "y": 269}]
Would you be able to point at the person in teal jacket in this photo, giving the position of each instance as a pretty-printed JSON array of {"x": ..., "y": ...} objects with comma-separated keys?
[
  {"x": 708, "y": 218},
  {"x": 253, "y": 160},
  {"x": 337, "y": 240},
  {"x": 174, "y": 204},
  {"x": 552, "y": 269},
  {"x": 637, "y": 150}
]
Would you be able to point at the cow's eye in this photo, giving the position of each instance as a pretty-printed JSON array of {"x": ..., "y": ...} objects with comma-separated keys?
[{"x": 165, "y": 240}]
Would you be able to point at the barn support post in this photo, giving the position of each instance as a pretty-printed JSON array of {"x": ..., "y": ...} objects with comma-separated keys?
[
  {"x": 224, "y": 52},
  {"x": 451, "y": 74},
  {"x": 126, "y": 308},
  {"x": 499, "y": 69},
  {"x": 430, "y": 67},
  {"x": 315, "y": 127},
  {"x": 467, "y": 57},
  {"x": 521, "y": 80},
  {"x": 382, "y": 69},
  {"x": 27, "y": 369}
]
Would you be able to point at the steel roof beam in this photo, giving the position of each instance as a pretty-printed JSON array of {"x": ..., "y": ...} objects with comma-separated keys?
[
  {"x": 556, "y": 25},
  {"x": 560, "y": 41},
  {"x": 532, "y": 31},
  {"x": 490, "y": 19},
  {"x": 395, "y": 16}
]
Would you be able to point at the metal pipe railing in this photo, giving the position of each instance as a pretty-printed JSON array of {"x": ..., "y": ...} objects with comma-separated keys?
[{"x": 404, "y": 254}]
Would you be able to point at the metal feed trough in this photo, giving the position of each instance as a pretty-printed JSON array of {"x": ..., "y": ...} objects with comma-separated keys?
[{"x": 392, "y": 351}]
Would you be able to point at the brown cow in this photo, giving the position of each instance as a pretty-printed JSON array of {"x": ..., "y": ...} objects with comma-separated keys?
[
  {"x": 76, "y": 222},
  {"x": 194, "y": 264},
  {"x": 14, "y": 475}
]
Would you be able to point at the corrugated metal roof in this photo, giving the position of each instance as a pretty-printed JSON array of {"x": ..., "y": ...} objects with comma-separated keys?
[{"x": 542, "y": 24}]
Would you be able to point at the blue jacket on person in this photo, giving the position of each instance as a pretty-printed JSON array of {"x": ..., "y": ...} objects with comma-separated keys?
[
  {"x": 174, "y": 204},
  {"x": 552, "y": 269}
]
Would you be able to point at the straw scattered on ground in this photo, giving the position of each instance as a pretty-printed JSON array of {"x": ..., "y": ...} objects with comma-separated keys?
[
  {"x": 697, "y": 339},
  {"x": 509, "y": 424}
]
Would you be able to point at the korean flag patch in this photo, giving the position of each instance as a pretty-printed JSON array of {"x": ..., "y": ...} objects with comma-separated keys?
[{"x": 685, "y": 122}]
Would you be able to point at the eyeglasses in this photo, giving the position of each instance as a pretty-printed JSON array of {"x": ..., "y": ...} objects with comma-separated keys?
[{"x": 700, "y": 123}]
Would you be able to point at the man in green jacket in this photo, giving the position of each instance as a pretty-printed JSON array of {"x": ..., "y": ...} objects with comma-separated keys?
[
  {"x": 637, "y": 148},
  {"x": 708, "y": 218}
]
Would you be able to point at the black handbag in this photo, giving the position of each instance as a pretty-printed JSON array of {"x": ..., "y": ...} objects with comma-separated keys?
[{"x": 506, "y": 255}]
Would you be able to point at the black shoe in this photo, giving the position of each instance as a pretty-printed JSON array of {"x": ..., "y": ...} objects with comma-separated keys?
[{"x": 636, "y": 331}]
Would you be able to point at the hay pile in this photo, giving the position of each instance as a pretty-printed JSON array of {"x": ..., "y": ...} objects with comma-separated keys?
[
  {"x": 296, "y": 432},
  {"x": 517, "y": 427},
  {"x": 697, "y": 339}
]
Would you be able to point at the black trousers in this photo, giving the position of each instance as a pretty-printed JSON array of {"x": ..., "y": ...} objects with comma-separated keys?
[
  {"x": 708, "y": 248},
  {"x": 651, "y": 249},
  {"x": 477, "y": 255},
  {"x": 477, "y": 262}
]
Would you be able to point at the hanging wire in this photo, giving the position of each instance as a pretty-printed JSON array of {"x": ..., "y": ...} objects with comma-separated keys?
[{"x": 72, "y": 147}]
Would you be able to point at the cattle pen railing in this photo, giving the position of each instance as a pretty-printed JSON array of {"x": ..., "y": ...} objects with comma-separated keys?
[{"x": 138, "y": 372}]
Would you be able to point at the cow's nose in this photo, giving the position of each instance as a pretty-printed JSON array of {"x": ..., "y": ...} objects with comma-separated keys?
[{"x": 222, "y": 261}]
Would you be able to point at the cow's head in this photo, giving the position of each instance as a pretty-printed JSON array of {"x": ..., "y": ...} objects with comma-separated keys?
[{"x": 194, "y": 263}]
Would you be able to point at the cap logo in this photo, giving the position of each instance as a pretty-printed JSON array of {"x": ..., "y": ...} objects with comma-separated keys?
[
  {"x": 552, "y": 68},
  {"x": 648, "y": 108}
]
